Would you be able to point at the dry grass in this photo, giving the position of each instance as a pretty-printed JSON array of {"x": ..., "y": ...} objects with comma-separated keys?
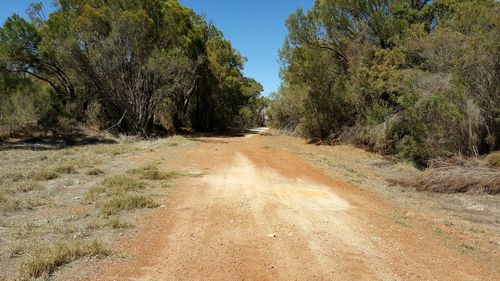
[
  {"x": 151, "y": 172},
  {"x": 118, "y": 193},
  {"x": 44, "y": 175},
  {"x": 41, "y": 196},
  {"x": 30, "y": 186},
  {"x": 116, "y": 223},
  {"x": 3, "y": 197},
  {"x": 493, "y": 159},
  {"x": 94, "y": 172},
  {"x": 43, "y": 262},
  {"x": 65, "y": 169},
  {"x": 115, "y": 149},
  {"x": 115, "y": 204},
  {"x": 455, "y": 179},
  {"x": 113, "y": 186}
]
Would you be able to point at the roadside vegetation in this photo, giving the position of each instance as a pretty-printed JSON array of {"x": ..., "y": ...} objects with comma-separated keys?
[
  {"x": 415, "y": 79},
  {"x": 133, "y": 67},
  {"x": 61, "y": 205}
]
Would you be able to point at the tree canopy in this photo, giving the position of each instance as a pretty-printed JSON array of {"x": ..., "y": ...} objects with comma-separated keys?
[
  {"x": 147, "y": 63},
  {"x": 417, "y": 78}
]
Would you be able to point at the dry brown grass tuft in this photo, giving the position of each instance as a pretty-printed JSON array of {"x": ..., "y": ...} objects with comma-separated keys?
[
  {"x": 42, "y": 263},
  {"x": 455, "y": 179},
  {"x": 493, "y": 159},
  {"x": 44, "y": 175},
  {"x": 65, "y": 169},
  {"x": 94, "y": 172},
  {"x": 116, "y": 223},
  {"x": 151, "y": 172},
  {"x": 115, "y": 204}
]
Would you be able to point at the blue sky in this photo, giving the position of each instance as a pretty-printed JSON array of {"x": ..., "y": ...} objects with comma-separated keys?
[{"x": 256, "y": 28}]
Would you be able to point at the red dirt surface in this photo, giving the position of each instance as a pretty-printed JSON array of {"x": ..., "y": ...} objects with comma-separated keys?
[{"x": 261, "y": 213}]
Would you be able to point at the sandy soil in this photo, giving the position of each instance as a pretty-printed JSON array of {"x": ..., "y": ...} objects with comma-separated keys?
[{"x": 261, "y": 212}]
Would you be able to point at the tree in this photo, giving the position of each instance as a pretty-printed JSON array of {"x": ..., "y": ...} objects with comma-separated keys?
[
  {"x": 415, "y": 78},
  {"x": 142, "y": 63}
]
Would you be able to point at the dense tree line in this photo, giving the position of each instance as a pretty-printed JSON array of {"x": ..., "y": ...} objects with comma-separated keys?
[
  {"x": 416, "y": 78},
  {"x": 134, "y": 65}
]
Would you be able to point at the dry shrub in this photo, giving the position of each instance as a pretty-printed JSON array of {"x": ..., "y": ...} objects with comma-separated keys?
[{"x": 455, "y": 179}]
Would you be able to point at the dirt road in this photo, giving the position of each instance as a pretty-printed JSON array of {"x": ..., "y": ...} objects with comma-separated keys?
[{"x": 259, "y": 212}]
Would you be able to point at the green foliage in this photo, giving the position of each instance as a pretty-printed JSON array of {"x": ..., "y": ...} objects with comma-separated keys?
[
  {"x": 132, "y": 66},
  {"x": 419, "y": 79}
]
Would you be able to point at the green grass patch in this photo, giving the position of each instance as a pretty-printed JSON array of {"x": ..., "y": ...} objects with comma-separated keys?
[
  {"x": 113, "y": 205},
  {"x": 42, "y": 263}
]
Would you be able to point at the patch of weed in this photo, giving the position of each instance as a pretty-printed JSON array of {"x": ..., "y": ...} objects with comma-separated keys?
[
  {"x": 151, "y": 172},
  {"x": 65, "y": 169},
  {"x": 466, "y": 247},
  {"x": 15, "y": 177},
  {"x": 29, "y": 187},
  {"x": 116, "y": 223},
  {"x": 401, "y": 219},
  {"x": 117, "y": 203},
  {"x": 43, "y": 263},
  {"x": 44, "y": 175},
  {"x": 16, "y": 249},
  {"x": 438, "y": 231},
  {"x": 115, "y": 149},
  {"x": 25, "y": 232},
  {"x": 493, "y": 159},
  {"x": 3, "y": 197},
  {"x": 93, "y": 224},
  {"x": 113, "y": 186},
  {"x": 94, "y": 172}
]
